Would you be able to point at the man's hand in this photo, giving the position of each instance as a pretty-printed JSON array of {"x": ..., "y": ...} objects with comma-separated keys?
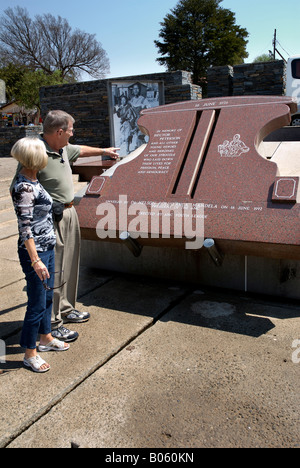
[
  {"x": 111, "y": 152},
  {"x": 87, "y": 151}
]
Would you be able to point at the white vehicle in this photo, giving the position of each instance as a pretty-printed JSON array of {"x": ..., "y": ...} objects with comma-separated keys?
[{"x": 293, "y": 84}]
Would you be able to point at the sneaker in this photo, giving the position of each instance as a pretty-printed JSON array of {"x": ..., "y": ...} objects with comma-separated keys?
[
  {"x": 64, "y": 334},
  {"x": 77, "y": 317}
]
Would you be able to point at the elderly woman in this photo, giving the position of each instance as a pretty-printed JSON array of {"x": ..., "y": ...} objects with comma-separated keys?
[{"x": 33, "y": 207}]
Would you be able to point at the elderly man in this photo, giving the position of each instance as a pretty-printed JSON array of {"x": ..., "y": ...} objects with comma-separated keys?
[{"x": 57, "y": 180}]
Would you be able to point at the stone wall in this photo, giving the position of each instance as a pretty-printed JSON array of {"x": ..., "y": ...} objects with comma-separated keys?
[
  {"x": 220, "y": 81},
  {"x": 263, "y": 78},
  {"x": 9, "y": 136},
  {"x": 87, "y": 102}
]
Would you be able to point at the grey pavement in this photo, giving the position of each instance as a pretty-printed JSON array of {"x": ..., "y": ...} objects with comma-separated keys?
[{"x": 160, "y": 364}]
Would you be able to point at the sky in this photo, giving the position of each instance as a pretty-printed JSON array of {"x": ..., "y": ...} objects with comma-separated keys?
[{"x": 127, "y": 28}]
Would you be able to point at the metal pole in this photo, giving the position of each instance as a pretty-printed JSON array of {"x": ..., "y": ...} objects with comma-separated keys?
[{"x": 274, "y": 44}]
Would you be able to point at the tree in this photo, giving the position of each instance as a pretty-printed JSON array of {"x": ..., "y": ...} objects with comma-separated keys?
[
  {"x": 32, "y": 82},
  {"x": 264, "y": 58},
  {"x": 49, "y": 44},
  {"x": 22, "y": 85},
  {"x": 198, "y": 34}
]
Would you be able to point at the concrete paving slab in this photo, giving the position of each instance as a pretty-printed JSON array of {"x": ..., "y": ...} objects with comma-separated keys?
[
  {"x": 9, "y": 249},
  {"x": 10, "y": 272},
  {"x": 188, "y": 381},
  {"x": 14, "y": 298},
  {"x": 8, "y": 167},
  {"x": 4, "y": 186},
  {"x": 215, "y": 370},
  {"x": 8, "y": 229},
  {"x": 12, "y": 308},
  {"x": 287, "y": 158},
  {"x": 91, "y": 279},
  {"x": 7, "y": 215},
  {"x": 6, "y": 203},
  {"x": 120, "y": 310}
]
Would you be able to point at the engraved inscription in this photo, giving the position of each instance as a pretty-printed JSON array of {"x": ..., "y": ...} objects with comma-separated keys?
[{"x": 161, "y": 152}]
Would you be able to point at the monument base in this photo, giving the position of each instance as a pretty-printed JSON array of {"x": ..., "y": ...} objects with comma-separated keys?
[{"x": 280, "y": 278}]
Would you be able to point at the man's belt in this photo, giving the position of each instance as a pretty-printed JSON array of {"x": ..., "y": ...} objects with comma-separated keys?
[{"x": 69, "y": 205}]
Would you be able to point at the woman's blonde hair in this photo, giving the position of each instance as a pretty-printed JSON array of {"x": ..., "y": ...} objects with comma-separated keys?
[{"x": 31, "y": 153}]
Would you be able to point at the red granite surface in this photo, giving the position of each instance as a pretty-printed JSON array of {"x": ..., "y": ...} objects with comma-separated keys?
[
  {"x": 89, "y": 167},
  {"x": 204, "y": 153}
]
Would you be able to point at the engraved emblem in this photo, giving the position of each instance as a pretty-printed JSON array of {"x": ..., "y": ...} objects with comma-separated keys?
[{"x": 234, "y": 148}]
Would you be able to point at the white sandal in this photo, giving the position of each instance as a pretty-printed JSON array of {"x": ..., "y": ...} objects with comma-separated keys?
[
  {"x": 36, "y": 362},
  {"x": 54, "y": 345}
]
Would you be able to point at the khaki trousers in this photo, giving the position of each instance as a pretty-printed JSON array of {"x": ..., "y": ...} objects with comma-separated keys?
[{"x": 67, "y": 257}]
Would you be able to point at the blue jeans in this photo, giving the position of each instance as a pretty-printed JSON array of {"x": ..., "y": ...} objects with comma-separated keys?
[{"x": 39, "y": 307}]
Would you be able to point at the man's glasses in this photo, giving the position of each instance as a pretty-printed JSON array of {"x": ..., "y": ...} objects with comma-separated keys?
[{"x": 47, "y": 288}]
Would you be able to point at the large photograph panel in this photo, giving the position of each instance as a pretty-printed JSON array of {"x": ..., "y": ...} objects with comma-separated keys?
[{"x": 127, "y": 100}]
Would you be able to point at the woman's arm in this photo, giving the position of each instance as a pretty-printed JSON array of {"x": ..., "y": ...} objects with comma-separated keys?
[
  {"x": 37, "y": 264},
  {"x": 23, "y": 199}
]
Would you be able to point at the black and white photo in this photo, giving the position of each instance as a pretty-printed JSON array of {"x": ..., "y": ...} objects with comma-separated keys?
[{"x": 127, "y": 100}]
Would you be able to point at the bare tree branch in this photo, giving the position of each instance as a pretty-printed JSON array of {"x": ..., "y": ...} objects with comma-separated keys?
[{"x": 48, "y": 43}]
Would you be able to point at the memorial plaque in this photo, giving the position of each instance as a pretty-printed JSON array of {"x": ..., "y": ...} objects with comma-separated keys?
[
  {"x": 201, "y": 176},
  {"x": 285, "y": 189},
  {"x": 96, "y": 185}
]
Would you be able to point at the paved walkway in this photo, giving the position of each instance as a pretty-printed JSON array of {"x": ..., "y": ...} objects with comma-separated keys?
[{"x": 159, "y": 364}]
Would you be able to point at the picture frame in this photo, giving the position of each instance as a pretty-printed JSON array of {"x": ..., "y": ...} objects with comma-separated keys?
[{"x": 126, "y": 100}]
